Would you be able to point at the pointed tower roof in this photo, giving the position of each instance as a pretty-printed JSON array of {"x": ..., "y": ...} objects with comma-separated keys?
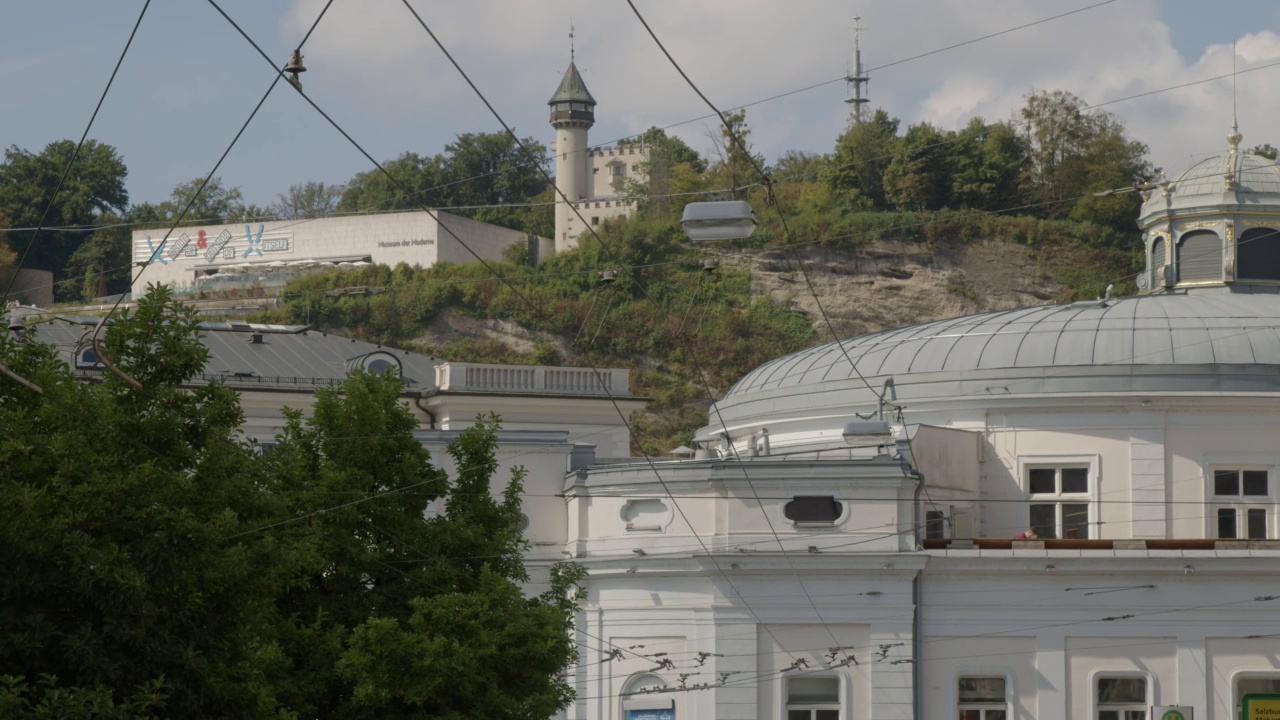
[{"x": 572, "y": 89}]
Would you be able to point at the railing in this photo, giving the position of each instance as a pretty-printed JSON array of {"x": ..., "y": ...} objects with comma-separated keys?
[{"x": 537, "y": 379}]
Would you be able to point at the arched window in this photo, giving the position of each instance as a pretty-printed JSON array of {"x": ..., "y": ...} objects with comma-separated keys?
[
  {"x": 1158, "y": 253},
  {"x": 1258, "y": 254},
  {"x": 646, "y": 695},
  {"x": 1199, "y": 257}
]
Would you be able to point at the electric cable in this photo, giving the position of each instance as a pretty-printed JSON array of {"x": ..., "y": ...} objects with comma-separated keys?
[
  {"x": 76, "y": 153},
  {"x": 280, "y": 74}
]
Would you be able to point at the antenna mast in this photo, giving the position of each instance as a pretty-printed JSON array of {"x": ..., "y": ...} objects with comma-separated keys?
[
  {"x": 570, "y": 39},
  {"x": 858, "y": 80}
]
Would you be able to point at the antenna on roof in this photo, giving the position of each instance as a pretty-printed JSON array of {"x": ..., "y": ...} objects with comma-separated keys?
[{"x": 571, "y": 40}]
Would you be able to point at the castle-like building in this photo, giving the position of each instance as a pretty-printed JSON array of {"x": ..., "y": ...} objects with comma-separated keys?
[{"x": 592, "y": 183}]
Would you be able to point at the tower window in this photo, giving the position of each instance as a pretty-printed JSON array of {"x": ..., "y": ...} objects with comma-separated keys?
[{"x": 595, "y": 219}]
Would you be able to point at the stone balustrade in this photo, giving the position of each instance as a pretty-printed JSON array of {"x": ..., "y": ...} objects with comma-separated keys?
[{"x": 536, "y": 379}]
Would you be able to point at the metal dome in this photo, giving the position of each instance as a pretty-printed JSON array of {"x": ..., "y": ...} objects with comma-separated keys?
[
  {"x": 1233, "y": 180},
  {"x": 1192, "y": 329}
]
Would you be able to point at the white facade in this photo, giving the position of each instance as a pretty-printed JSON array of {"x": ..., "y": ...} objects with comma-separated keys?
[{"x": 257, "y": 250}]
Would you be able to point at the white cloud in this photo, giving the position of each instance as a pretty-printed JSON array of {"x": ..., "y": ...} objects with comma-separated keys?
[{"x": 515, "y": 52}]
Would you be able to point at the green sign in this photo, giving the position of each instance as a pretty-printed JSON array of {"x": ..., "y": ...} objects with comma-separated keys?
[
  {"x": 1260, "y": 706},
  {"x": 1173, "y": 715}
]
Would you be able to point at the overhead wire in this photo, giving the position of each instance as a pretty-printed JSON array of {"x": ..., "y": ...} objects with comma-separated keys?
[
  {"x": 76, "y": 152},
  {"x": 209, "y": 176}
]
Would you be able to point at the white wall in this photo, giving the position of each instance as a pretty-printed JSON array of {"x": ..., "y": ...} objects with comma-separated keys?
[{"x": 410, "y": 237}]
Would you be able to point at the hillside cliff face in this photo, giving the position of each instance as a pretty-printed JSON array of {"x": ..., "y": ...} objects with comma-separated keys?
[{"x": 892, "y": 284}]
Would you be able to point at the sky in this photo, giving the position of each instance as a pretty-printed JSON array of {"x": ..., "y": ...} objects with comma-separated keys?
[{"x": 190, "y": 80}]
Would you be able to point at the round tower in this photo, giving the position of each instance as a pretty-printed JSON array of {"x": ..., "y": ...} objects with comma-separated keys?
[{"x": 572, "y": 113}]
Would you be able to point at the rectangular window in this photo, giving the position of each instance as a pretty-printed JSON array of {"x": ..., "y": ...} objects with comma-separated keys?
[
  {"x": 595, "y": 171},
  {"x": 1122, "y": 698},
  {"x": 595, "y": 219},
  {"x": 813, "y": 698},
  {"x": 1240, "y": 503},
  {"x": 935, "y": 525},
  {"x": 983, "y": 698},
  {"x": 1059, "y": 501}
]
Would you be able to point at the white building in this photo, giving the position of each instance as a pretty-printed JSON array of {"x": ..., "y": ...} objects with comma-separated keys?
[
  {"x": 595, "y": 180},
  {"x": 786, "y": 574},
  {"x": 217, "y": 256}
]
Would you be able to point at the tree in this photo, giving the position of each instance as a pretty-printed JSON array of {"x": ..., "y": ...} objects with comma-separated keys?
[
  {"x": 391, "y": 592},
  {"x": 918, "y": 176},
  {"x": 735, "y": 163},
  {"x": 492, "y": 169},
  {"x": 470, "y": 633},
  {"x": 157, "y": 564},
  {"x": 127, "y": 582},
  {"x": 371, "y": 191},
  {"x": 669, "y": 147},
  {"x": 311, "y": 199},
  {"x": 800, "y": 166},
  {"x": 862, "y": 155},
  {"x": 1266, "y": 150},
  {"x": 1073, "y": 153},
  {"x": 103, "y": 260},
  {"x": 213, "y": 206},
  {"x": 672, "y": 169},
  {"x": 476, "y": 173},
  {"x": 27, "y": 183},
  {"x": 988, "y": 162}
]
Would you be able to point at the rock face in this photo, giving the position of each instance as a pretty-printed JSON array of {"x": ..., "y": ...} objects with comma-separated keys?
[{"x": 892, "y": 284}]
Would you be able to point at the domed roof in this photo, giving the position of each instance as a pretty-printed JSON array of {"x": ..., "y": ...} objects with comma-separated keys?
[
  {"x": 1229, "y": 180},
  {"x": 1193, "y": 329}
]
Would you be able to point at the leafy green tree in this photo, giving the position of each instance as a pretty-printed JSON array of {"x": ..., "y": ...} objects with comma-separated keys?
[
  {"x": 311, "y": 199},
  {"x": 480, "y": 170},
  {"x": 371, "y": 191},
  {"x": 1074, "y": 153},
  {"x": 492, "y": 169},
  {"x": 988, "y": 162},
  {"x": 27, "y": 184},
  {"x": 479, "y": 647},
  {"x": 127, "y": 584},
  {"x": 919, "y": 175},
  {"x": 861, "y": 157},
  {"x": 669, "y": 147},
  {"x": 734, "y": 165},
  {"x": 672, "y": 170},
  {"x": 1266, "y": 150},
  {"x": 800, "y": 166},
  {"x": 401, "y": 617},
  {"x": 214, "y": 205},
  {"x": 103, "y": 260}
]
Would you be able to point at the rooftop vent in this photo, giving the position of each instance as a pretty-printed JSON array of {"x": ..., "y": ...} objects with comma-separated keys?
[{"x": 255, "y": 339}]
